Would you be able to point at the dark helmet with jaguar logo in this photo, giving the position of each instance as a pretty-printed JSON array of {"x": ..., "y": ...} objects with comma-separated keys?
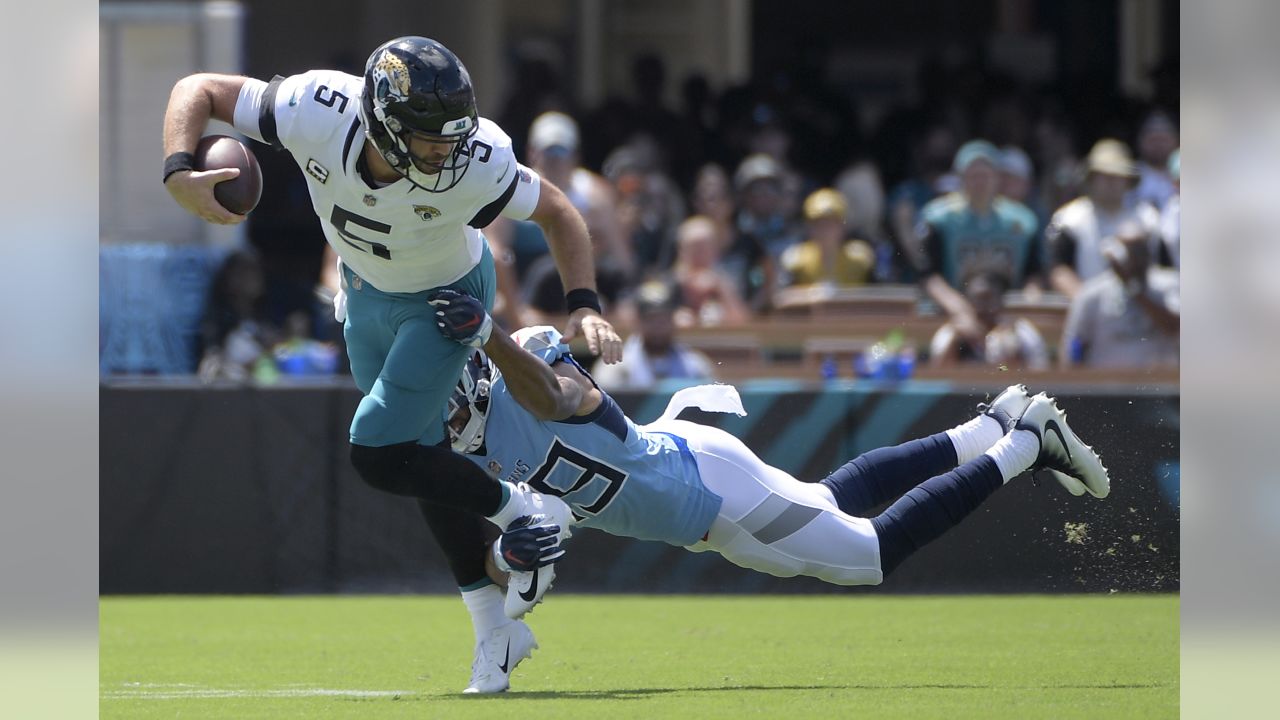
[{"x": 416, "y": 88}]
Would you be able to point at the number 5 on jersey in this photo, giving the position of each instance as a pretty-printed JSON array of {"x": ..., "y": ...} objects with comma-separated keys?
[{"x": 340, "y": 218}]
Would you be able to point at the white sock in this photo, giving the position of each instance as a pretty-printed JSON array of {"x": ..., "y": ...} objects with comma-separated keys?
[
  {"x": 974, "y": 437},
  {"x": 485, "y": 606},
  {"x": 1015, "y": 453},
  {"x": 513, "y": 508}
]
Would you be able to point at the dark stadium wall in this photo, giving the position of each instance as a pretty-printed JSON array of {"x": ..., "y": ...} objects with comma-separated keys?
[{"x": 244, "y": 490}]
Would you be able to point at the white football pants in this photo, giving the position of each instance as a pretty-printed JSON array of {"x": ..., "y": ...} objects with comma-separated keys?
[{"x": 772, "y": 522}]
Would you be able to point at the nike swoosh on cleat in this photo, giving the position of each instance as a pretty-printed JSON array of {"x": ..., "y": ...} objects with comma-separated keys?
[
  {"x": 1053, "y": 425},
  {"x": 532, "y": 592},
  {"x": 506, "y": 662}
]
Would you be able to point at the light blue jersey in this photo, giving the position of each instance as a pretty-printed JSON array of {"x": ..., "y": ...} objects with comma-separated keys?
[{"x": 614, "y": 476}]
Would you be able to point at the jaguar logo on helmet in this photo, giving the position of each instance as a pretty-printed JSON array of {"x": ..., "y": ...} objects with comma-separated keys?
[{"x": 391, "y": 76}]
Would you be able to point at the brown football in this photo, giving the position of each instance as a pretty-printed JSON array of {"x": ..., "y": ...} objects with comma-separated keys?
[{"x": 240, "y": 195}]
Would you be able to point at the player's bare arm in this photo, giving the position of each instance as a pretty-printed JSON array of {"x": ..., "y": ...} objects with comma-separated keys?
[
  {"x": 547, "y": 393},
  {"x": 540, "y": 390},
  {"x": 194, "y": 100},
  {"x": 570, "y": 245}
]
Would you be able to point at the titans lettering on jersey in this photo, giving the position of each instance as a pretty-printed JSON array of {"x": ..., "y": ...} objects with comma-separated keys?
[
  {"x": 611, "y": 474},
  {"x": 399, "y": 238}
]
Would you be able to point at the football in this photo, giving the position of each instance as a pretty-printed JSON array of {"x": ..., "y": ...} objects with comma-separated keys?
[{"x": 240, "y": 195}]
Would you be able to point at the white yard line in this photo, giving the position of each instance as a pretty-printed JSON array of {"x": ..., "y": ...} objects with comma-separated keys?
[{"x": 178, "y": 691}]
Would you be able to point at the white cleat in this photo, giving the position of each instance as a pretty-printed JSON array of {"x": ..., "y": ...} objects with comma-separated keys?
[
  {"x": 1061, "y": 450},
  {"x": 497, "y": 657},
  {"x": 1073, "y": 486},
  {"x": 1008, "y": 406},
  {"x": 1007, "y": 409},
  {"x": 526, "y": 588}
]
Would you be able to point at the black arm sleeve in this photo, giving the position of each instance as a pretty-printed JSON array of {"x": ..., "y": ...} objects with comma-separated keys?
[
  {"x": 267, "y": 113},
  {"x": 1061, "y": 245}
]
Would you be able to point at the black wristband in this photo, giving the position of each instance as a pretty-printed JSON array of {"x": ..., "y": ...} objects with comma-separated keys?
[
  {"x": 582, "y": 298},
  {"x": 178, "y": 162}
]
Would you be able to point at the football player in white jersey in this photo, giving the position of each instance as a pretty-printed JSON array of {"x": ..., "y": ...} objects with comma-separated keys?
[
  {"x": 529, "y": 410},
  {"x": 403, "y": 175}
]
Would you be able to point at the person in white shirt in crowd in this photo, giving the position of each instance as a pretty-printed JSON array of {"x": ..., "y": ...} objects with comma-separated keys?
[
  {"x": 1076, "y": 232},
  {"x": 1128, "y": 316}
]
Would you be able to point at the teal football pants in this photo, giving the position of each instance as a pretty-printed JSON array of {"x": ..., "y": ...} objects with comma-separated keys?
[{"x": 400, "y": 361}]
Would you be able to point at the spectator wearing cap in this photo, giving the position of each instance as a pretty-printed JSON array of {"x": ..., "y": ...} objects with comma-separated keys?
[
  {"x": 1171, "y": 215},
  {"x": 652, "y": 353},
  {"x": 706, "y": 294},
  {"x": 1076, "y": 231},
  {"x": 1018, "y": 180},
  {"x": 827, "y": 257},
  {"x": 1157, "y": 139},
  {"x": 1127, "y": 316},
  {"x": 554, "y": 153},
  {"x": 971, "y": 231},
  {"x": 764, "y": 229}
]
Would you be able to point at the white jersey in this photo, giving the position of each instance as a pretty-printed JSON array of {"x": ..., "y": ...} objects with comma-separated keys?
[
  {"x": 399, "y": 238},
  {"x": 1088, "y": 227}
]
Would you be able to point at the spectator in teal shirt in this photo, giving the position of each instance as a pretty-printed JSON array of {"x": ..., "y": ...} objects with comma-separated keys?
[{"x": 975, "y": 231}]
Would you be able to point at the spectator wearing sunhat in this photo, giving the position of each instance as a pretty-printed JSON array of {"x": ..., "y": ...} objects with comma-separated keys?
[
  {"x": 972, "y": 231},
  {"x": 827, "y": 257},
  {"x": 1077, "y": 231}
]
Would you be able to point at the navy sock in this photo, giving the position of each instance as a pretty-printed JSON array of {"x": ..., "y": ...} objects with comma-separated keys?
[
  {"x": 878, "y": 476},
  {"x": 932, "y": 508}
]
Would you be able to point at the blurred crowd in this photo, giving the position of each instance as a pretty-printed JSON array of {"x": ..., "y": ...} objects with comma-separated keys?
[{"x": 704, "y": 215}]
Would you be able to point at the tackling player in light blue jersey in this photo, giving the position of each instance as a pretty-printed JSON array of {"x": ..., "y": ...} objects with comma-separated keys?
[
  {"x": 527, "y": 412},
  {"x": 612, "y": 473}
]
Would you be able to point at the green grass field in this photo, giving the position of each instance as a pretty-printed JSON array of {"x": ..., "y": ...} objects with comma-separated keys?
[{"x": 609, "y": 656}]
